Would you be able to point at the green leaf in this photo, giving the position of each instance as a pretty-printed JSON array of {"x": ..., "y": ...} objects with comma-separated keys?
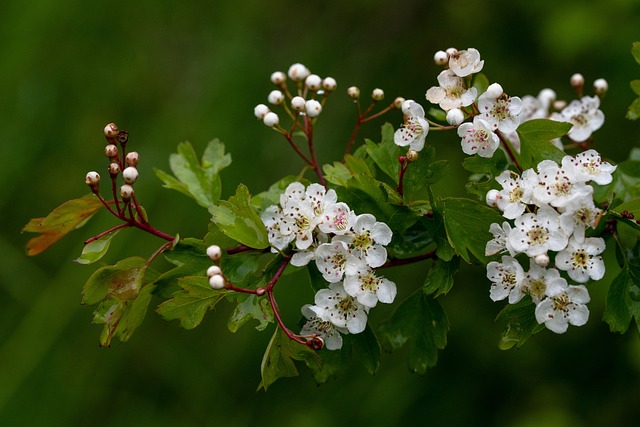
[
  {"x": 337, "y": 173},
  {"x": 272, "y": 196},
  {"x": 487, "y": 165},
  {"x": 198, "y": 180},
  {"x": 420, "y": 322},
  {"x": 422, "y": 173},
  {"x": 95, "y": 250},
  {"x": 467, "y": 224},
  {"x": 62, "y": 220},
  {"x": 241, "y": 269},
  {"x": 439, "y": 281},
  {"x": 190, "y": 259},
  {"x": 237, "y": 219},
  {"x": 386, "y": 153},
  {"x": 367, "y": 345},
  {"x": 480, "y": 82},
  {"x": 190, "y": 304},
  {"x": 520, "y": 322},
  {"x": 315, "y": 278},
  {"x": 279, "y": 357},
  {"x": 620, "y": 306},
  {"x": 437, "y": 229},
  {"x": 437, "y": 114},
  {"x": 635, "y": 86},
  {"x": 634, "y": 110},
  {"x": 122, "y": 281},
  {"x": 414, "y": 241},
  {"x": 626, "y": 180},
  {"x": 534, "y": 141},
  {"x": 250, "y": 307},
  {"x": 334, "y": 363},
  {"x": 635, "y": 51}
]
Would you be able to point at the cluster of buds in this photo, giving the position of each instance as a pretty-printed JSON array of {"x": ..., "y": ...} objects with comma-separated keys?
[
  {"x": 307, "y": 98},
  {"x": 214, "y": 273}
]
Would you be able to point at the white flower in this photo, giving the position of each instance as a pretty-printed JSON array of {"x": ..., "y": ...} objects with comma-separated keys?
[
  {"x": 500, "y": 241},
  {"x": 367, "y": 243},
  {"x": 585, "y": 116},
  {"x": 325, "y": 329},
  {"x": 331, "y": 260},
  {"x": 587, "y": 166},
  {"x": 539, "y": 279},
  {"x": 535, "y": 234},
  {"x": 581, "y": 260},
  {"x": 337, "y": 218},
  {"x": 298, "y": 218},
  {"x": 451, "y": 92},
  {"x": 368, "y": 288},
  {"x": 320, "y": 197},
  {"x": 294, "y": 191},
  {"x": 415, "y": 128},
  {"x": 565, "y": 304},
  {"x": 272, "y": 218},
  {"x": 501, "y": 112},
  {"x": 477, "y": 137},
  {"x": 578, "y": 215},
  {"x": 555, "y": 186},
  {"x": 336, "y": 306},
  {"x": 465, "y": 62},
  {"x": 516, "y": 192},
  {"x": 505, "y": 276}
]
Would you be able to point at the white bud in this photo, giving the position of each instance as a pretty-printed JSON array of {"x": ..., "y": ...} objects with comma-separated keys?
[
  {"x": 126, "y": 191},
  {"x": 130, "y": 175},
  {"x": 275, "y": 97},
  {"x": 492, "y": 197},
  {"x": 494, "y": 90},
  {"x": 216, "y": 282},
  {"x": 298, "y": 72},
  {"x": 377, "y": 94},
  {"x": 600, "y": 86},
  {"x": 278, "y": 77},
  {"x": 298, "y": 103},
  {"x": 546, "y": 97},
  {"x": 412, "y": 155},
  {"x": 114, "y": 169},
  {"x": 397, "y": 103},
  {"x": 455, "y": 117},
  {"x": 133, "y": 158},
  {"x": 559, "y": 104},
  {"x": 271, "y": 119},
  {"x": 353, "y": 92},
  {"x": 111, "y": 130},
  {"x": 405, "y": 106},
  {"x": 313, "y": 82},
  {"x": 329, "y": 84},
  {"x": 441, "y": 58},
  {"x": 451, "y": 51},
  {"x": 577, "y": 80},
  {"x": 92, "y": 178},
  {"x": 542, "y": 260},
  {"x": 260, "y": 111},
  {"x": 214, "y": 252},
  {"x": 313, "y": 108},
  {"x": 111, "y": 151},
  {"x": 214, "y": 270}
]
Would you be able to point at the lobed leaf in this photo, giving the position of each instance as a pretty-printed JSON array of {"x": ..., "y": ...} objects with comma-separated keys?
[
  {"x": 250, "y": 307},
  {"x": 535, "y": 146},
  {"x": 122, "y": 281},
  {"x": 62, "y": 220},
  {"x": 439, "y": 281},
  {"x": 385, "y": 154}
]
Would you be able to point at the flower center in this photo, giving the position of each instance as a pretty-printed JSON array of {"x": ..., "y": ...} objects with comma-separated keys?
[{"x": 538, "y": 235}]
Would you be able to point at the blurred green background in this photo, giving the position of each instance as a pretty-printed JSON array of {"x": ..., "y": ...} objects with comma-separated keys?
[{"x": 173, "y": 71}]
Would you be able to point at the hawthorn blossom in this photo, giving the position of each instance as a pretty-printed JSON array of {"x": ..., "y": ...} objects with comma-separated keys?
[
  {"x": 565, "y": 305},
  {"x": 368, "y": 288},
  {"x": 477, "y": 137},
  {"x": 329, "y": 333},
  {"x": 336, "y": 306},
  {"x": 555, "y": 186},
  {"x": 465, "y": 62},
  {"x": 535, "y": 234},
  {"x": 587, "y": 166},
  {"x": 367, "y": 243},
  {"x": 506, "y": 277},
  {"x": 538, "y": 279},
  {"x": 581, "y": 260},
  {"x": 414, "y": 130},
  {"x": 337, "y": 218},
  {"x": 299, "y": 219},
  {"x": 579, "y": 215},
  {"x": 500, "y": 241},
  {"x": 451, "y": 92},
  {"x": 499, "y": 110},
  {"x": 585, "y": 116},
  {"x": 331, "y": 260},
  {"x": 272, "y": 218},
  {"x": 516, "y": 193}
]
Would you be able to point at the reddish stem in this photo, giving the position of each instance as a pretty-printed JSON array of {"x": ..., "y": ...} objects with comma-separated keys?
[
  {"x": 104, "y": 233},
  {"x": 403, "y": 168},
  {"x": 404, "y": 261},
  {"x": 308, "y": 130},
  {"x": 507, "y": 147}
]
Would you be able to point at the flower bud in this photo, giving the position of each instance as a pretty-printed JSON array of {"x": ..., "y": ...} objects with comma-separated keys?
[
  {"x": 377, "y": 94},
  {"x": 214, "y": 252},
  {"x": 278, "y": 77},
  {"x": 260, "y": 111},
  {"x": 494, "y": 90},
  {"x": 397, "y": 103},
  {"x": 441, "y": 58},
  {"x": 313, "y": 82},
  {"x": 412, "y": 155},
  {"x": 216, "y": 282},
  {"x": 298, "y": 103},
  {"x": 600, "y": 87},
  {"x": 92, "y": 179},
  {"x": 126, "y": 191},
  {"x": 111, "y": 151},
  {"x": 559, "y": 104},
  {"x": 133, "y": 158},
  {"x": 451, "y": 51},
  {"x": 114, "y": 169},
  {"x": 353, "y": 92},
  {"x": 130, "y": 174},
  {"x": 275, "y": 97},
  {"x": 298, "y": 72},
  {"x": 313, "y": 108},
  {"x": 492, "y": 197},
  {"x": 111, "y": 130},
  {"x": 577, "y": 81},
  {"x": 316, "y": 343},
  {"x": 214, "y": 270},
  {"x": 329, "y": 84},
  {"x": 546, "y": 97},
  {"x": 542, "y": 260},
  {"x": 455, "y": 117},
  {"x": 271, "y": 119},
  {"x": 122, "y": 137}
]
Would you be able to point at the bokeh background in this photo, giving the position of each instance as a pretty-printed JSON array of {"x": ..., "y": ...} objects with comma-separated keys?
[{"x": 173, "y": 71}]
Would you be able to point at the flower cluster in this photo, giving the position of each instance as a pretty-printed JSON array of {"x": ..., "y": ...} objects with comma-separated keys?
[
  {"x": 346, "y": 249},
  {"x": 551, "y": 208}
]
